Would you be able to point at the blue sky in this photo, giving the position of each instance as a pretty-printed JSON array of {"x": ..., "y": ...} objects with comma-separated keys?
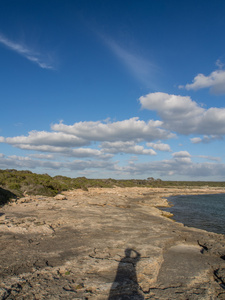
[{"x": 120, "y": 89}]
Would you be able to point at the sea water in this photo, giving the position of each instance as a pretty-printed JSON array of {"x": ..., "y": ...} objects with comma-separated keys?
[{"x": 201, "y": 211}]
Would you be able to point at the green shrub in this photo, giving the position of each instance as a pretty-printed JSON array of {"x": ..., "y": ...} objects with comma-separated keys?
[
  {"x": 5, "y": 196},
  {"x": 16, "y": 183}
]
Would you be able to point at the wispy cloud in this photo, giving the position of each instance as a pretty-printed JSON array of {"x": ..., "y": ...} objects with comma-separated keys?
[
  {"x": 210, "y": 157},
  {"x": 141, "y": 68},
  {"x": 29, "y": 54}
]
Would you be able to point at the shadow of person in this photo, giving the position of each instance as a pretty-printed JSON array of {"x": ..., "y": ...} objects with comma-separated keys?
[{"x": 125, "y": 285}]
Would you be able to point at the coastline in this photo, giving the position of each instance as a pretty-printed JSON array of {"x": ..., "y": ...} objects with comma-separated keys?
[
  {"x": 70, "y": 246},
  {"x": 204, "y": 212}
]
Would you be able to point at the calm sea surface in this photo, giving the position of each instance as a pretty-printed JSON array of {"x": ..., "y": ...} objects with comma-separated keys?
[{"x": 201, "y": 211}]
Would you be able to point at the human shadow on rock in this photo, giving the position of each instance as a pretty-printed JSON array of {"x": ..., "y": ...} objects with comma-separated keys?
[
  {"x": 5, "y": 196},
  {"x": 125, "y": 285}
]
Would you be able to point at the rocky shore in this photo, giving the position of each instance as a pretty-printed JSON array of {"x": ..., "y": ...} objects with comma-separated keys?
[{"x": 107, "y": 244}]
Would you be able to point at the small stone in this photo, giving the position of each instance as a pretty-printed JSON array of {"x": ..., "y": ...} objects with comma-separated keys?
[{"x": 60, "y": 197}]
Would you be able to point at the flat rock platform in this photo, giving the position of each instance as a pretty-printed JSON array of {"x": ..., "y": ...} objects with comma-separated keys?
[{"x": 107, "y": 244}]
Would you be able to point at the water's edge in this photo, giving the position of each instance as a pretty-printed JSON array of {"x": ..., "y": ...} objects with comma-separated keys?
[{"x": 198, "y": 211}]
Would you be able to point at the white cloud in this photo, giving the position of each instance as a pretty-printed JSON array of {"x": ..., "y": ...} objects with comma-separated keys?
[
  {"x": 25, "y": 52},
  {"x": 215, "y": 81},
  {"x": 127, "y": 130},
  {"x": 100, "y": 141},
  {"x": 65, "y": 151},
  {"x": 44, "y": 138},
  {"x": 205, "y": 139},
  {"x": 182, "y": 157},
  {"x": 196, "y": 140},
  {"x": 181, "y": 154},
  {"x": 117, "y": 137},
  {"x": 91, "y": 164},
  {"x": 170, "y": 106},
  {"x": 180, "y": 167},
  {"x": 89, "y": 152},
  {"x": 213, "y": 121},
  {"x": 125, "y": 147},
  {"x": 41, "y": 156},
  {"x": 160, "y": 146},
  {"x": 22, "y": 162},
  {"x": 185, "y": 116}
]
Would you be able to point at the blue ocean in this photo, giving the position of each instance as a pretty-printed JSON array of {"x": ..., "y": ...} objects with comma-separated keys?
[{"x": 200, "y": 211}]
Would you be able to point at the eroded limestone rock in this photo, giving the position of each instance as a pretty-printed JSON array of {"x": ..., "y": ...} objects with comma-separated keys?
[{"x": 107, "y": 244}]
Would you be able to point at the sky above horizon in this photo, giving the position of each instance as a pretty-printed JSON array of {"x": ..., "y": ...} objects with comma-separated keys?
[{"x": 113, "y": 89}]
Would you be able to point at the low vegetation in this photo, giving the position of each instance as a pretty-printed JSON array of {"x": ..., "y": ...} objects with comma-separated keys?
[{"x": 15, "y": 183}]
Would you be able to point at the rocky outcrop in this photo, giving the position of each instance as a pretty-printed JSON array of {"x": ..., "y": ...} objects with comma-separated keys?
[{"x": 107, "y": 244}]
